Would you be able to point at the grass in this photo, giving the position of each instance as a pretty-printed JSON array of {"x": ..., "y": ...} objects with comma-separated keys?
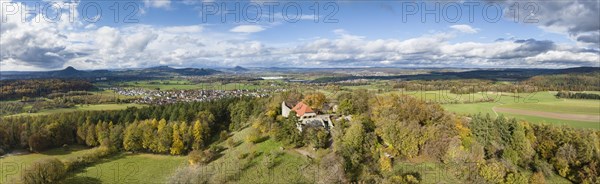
[
  {"x": 230, "y": 168},
  {"x": 12, "y": 166},
  {"x": 541, "y": 101},
  {"x": 551, "y": 121},
  {"x": 129, "y": 168},
  {"x": 566, "y": 106},
  {"x": 96, "y": 107}
]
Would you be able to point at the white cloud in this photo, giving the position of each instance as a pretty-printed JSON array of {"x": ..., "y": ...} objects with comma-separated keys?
[
  {"x": 577, "y": 19},
  {"x": 185, "y": 29},
  {"x": 158, "y": 3},
  {"x": 464, "y": 28},
  {"x": 247, "y": 29},
  {"x": 34, "y": 46},
  {"x": 564, "y": 56}
]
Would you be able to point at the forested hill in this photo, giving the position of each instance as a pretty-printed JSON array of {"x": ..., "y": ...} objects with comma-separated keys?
[
  {"x": 147, "y": 73},
  {"x": 16, "y": 89},
  {"x": 487, "y": 74}
]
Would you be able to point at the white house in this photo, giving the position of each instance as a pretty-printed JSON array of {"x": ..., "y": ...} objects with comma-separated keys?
[{"x": 306, "y": 116}]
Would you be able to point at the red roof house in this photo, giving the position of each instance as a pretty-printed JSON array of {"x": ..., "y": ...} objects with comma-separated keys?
[{"x": 301, "y": 109}]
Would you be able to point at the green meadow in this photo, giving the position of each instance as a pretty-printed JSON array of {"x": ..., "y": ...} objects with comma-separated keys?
[
  {"x": 95, "y": 107},
  {"x": 129, "y": 168},
  {"x": 13, "y": 165},
  {"x": 466, "y": 104}
]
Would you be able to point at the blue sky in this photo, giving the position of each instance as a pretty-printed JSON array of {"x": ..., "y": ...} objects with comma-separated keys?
[{"x": 188, "y": 33}]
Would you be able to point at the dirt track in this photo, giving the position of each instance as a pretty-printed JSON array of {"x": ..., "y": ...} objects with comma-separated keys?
[{"x": 575, "y": 117}]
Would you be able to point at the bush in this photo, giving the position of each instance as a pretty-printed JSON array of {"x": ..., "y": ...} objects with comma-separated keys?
[
  {"x": 223, "y": 135},
  {"x": 187, "y": 175},
  {"x": 242, "y": 156},
  {"x": 253, "y": 136},
  {"x": 201, "y": 157},
  {"x": 269, "y": 160},
  {"x": 50, "y": 170},
  {"x": 231, "y": 143},
  {"x": 537, "y": 178},
  {"x": 87, "y": 159},
  {"x": 38, "y": 142}
]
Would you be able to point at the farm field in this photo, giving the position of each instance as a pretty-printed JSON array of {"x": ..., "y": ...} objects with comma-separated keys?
[
  {"x": 95, "y": 107},
  {"x": 558, "y": 122},
  {"x": 129, "y": 168},
  {"x": 541, "y": 101},
  {"x": 13, "y": 165}
]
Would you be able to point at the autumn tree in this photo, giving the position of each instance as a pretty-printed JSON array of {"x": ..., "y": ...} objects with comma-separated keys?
[
  {"x": 177, "y": 147},
  {"x": 165, "y": 137},
  {"x": 132, "y": 140},
  {"x": 315, "y": 100}
]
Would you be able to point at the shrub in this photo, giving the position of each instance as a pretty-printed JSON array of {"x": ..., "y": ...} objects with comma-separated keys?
[
  {"x": 269, "y": 160},
  {"x": 50, "y": 170},
  {"x": 223, "y": 135},
  {"x": 242, "y": 156},
  {"x": 201, "y": 157},
  {"x": 537, "y": 178},
  {"x": 187, "y": 175},
  {"x": 231, "y": 143},
  {"x": 87, "y": 159},
  {"x": 385, "y": 163},
  {"x": 38, "y": 142},
  {"x": 515, "y": 178},
  {"x": 253, "y": 136}
]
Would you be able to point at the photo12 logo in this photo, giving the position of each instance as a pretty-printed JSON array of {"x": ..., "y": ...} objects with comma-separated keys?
[
  {"x": 453, "y": 12},
  {"x": 52, "y": 12},
  {"x": 252, "y": 12},
  {"x": 131, "y": 11}
]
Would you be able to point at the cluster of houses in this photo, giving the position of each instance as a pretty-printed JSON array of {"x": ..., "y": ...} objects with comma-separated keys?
[
  {"x": 158, "y": 97},
  {"x": 307, "y": 117}
]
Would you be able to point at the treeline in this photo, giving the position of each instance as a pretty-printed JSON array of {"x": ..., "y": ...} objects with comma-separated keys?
[
  {"x": 153, "y": 129},
  {"x": 566, "y": 82},
  {"x": 17, "y": 89},
  {"x": 564, "y": 94}
]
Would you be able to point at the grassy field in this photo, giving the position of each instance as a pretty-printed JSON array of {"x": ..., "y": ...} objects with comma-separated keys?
[
  {"x": 540, "y": 101},
  {"x": 230, "y": 168},
  {"x": 11, "y": 166},
  {"x": 536, "y": 119},
  {"x": 565, "y": 106},
  {"x": 96, "y": 107},
  {"x": 129, "y": 168}
]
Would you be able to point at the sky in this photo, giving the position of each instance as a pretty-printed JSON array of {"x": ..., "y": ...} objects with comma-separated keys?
[{"x": 39, "y": 35}]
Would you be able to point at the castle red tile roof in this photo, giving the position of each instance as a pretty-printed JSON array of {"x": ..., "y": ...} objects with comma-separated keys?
[{"x": 301, "y": 109}]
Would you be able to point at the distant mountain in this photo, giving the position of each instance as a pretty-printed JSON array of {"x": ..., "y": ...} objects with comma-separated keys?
[
  {"x": 68, "y": 72},
  {"x": 153, "y": 72},
  {"x": 182, "y": 71},
  {"x": 239, "y": 69},
  {"x": 196, "y": 71}
]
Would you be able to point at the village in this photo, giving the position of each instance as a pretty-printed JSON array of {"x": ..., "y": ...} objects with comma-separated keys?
[{"x": 161, "y": 97}]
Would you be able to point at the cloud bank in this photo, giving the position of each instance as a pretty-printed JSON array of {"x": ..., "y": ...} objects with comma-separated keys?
[{"x": 28, "y": 45}]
